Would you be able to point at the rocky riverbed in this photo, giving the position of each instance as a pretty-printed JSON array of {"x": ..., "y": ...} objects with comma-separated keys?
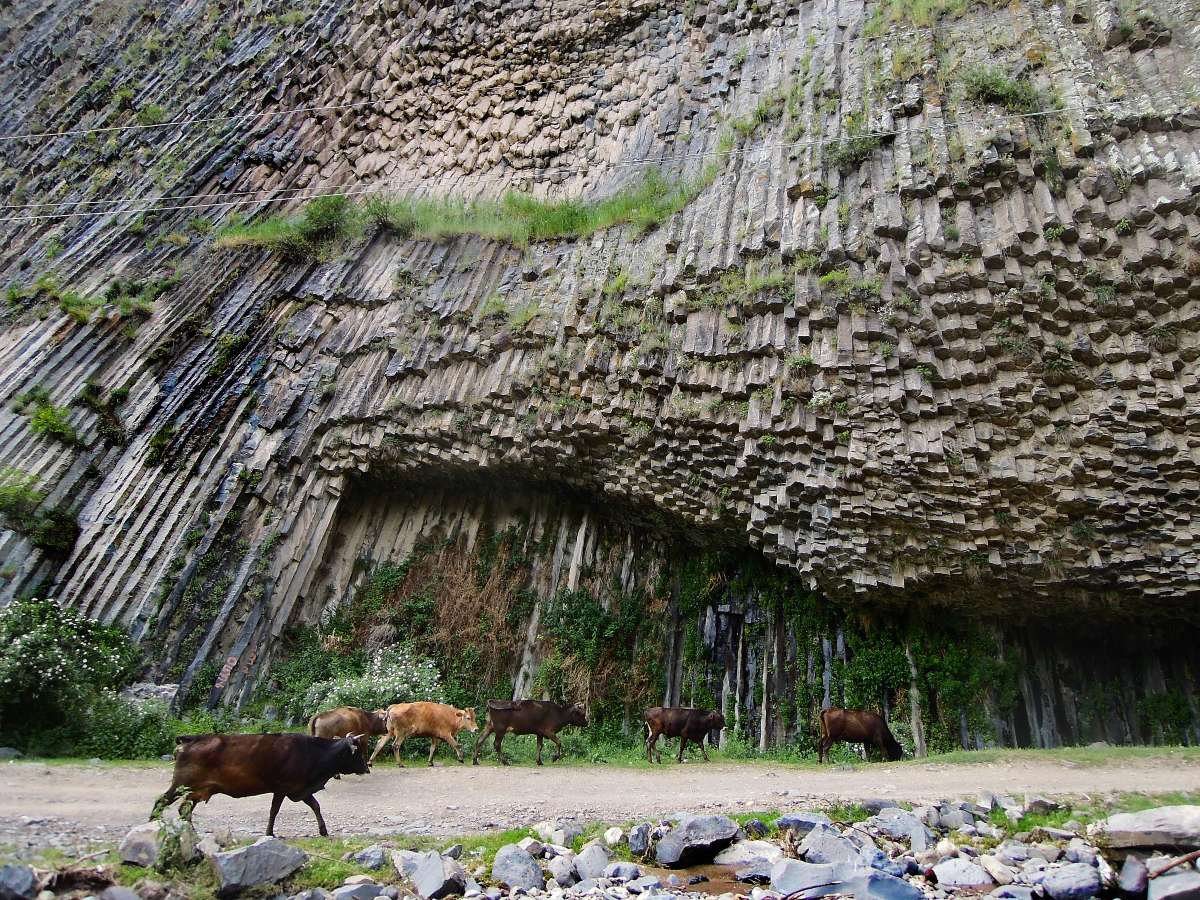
[{"x": 961, "y": 847}]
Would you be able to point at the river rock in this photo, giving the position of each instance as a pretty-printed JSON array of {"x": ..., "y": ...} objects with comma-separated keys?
[
  {"x": 962, "y": 873},
  {"x": 624, "y": 871},
  {"x": 757, "y": 871},
  {"x": 1074, "y": 881},
  {"x": 745, "y": 852},
  {"x": 791, "y": 875},
  {"x": 1081, "y": 851},
  {"x": 755, "y": 828},
  {"x": 1001, "y": 874},
  {"x": 1163, "y": 826},
  {"x": 591, "y": 861},
  {"x": 695, "y": 840},
  {"x": 639, "y": 839},
  {"x": 1134, "y": 878},
  {"x": 563, "y": 833},
  {"x": 368, "y": 890},
  {"x": 801, "y": 823},
  {"x": 436, "y": 876},
  {"x": 141, "y": 845},
  {"x": 405, "y": 862},
  {"x": 532, "y": 846},
  {"x": 513, "y": 867},
  {"x": 266, "y": 861},
  {"x": 900, "y": 825},
  {"x": 824, "y": 844},
  {"x": 1182, "y": 883},
  {"x": 562, "y": 870},
  {"x": 613, "y": 836},
  {"x": 644, "y": 885},
  {"x": 17, "y": 882},
  {"x": 373, "y": 857},
  {"x": 1039, "y": 805}
]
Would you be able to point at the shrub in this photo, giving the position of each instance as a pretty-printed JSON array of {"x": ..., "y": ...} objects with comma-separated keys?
[
  {"x": 153, "y": 114},
  {"x": 54, "y": 661},
  {"x": 394, "y": 675},
  {"x": 51, "y": 421},
  {"x": 852, "y": 150},
  {"x": 109, "y": 727},
  {"x": 51, "y": 529},
  {"x": 987, "y": 84}
]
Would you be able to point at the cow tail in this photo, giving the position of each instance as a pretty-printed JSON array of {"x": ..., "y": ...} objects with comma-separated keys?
[
  {"x": 312, "y": 725},
  {"x": 823, "y": 724}
]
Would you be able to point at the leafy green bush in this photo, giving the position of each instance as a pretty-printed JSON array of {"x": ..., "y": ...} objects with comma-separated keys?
[
  {"x": 109, "y": 727},
  {"x": 987, "y": 84},
  {"x": 52, "y": 421},
  {"x": 54, "y": 662},
  {"x": 52, "y": 529},
  {"x": 394, "y": 675}
]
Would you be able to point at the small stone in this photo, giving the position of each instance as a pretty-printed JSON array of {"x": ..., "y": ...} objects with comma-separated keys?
[
  {"x": 140, "y": 846},
  {"x": 532, "y": 846},
  {"x": 373, "y": 857},
  {"x": 801, "y": 823},
  {"x": 1178, "y": 884},
  {"x": 644, "y": 884},
  {"x": 1081, "y": 851},
  {"x": 591, "y": 861},
  {"x": 1039, "y": 805},
  {"x": 367, "y": 891},
  {"x": 1134, "y": 878},
  {"x": 454, "y": 851},
  {"x": 1001, "y": 874},
  {"x": 695, "y": 840},
  {"x": 623, "y": 871},
  {"x": 755, "y": 828},
  {"x": 1014, "y": 892},
  {"x": 435, "y": 876},
  {"x": 961, "y": 873},
  {"x": 266, "y": 861},
  {"x": 613, "y": 836},
  {"x": 562, "y": 870},
  {"x": 1074, "y": 881},
  {"x": 824, "y": 844}
]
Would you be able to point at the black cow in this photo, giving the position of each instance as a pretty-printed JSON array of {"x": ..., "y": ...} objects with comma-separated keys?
[
  {"x": 295, "y": 766},
  {"x": 540, "y": 717},
  {"x": 856, "y": 726},
  {"x": 683, "y": 722}
]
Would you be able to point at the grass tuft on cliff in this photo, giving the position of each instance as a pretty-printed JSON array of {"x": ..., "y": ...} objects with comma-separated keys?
[{"x": 516, "y": 218}]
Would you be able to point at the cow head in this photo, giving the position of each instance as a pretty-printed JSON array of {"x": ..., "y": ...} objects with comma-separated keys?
[
  {"x": 350, "y": 758},
  {"x": 716, "y": 721},
  {"x": 891, "y": 748},
  {"x": 576, "y": 715},
  {"x": 466, "y": 719},
  {"x": 379, "y": 720}
]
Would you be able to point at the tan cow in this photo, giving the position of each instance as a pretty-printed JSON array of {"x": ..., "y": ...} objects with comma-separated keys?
[
  {"x": 344, "y": 720},
  {"x": 436, "y": 721}
]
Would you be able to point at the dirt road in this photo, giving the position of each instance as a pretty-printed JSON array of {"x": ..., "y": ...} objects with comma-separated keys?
[{"x": 73, "y": 805}]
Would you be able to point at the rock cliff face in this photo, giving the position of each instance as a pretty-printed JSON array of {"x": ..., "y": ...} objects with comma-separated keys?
[{"x": 925, "y": 338}]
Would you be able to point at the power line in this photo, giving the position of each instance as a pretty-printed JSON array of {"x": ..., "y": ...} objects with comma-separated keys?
[{"x": 539, "y": 174}]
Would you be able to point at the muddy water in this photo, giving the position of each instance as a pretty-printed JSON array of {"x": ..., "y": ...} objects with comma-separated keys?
[{"x": 720, "y": 878}]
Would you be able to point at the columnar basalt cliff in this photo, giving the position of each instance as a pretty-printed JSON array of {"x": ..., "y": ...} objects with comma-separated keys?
[{"x": 921, "y": 340}]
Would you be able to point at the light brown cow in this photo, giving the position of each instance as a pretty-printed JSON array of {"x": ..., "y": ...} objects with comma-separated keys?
[
  {"x": 344, "y": 720},
  {"x": 436, "y": 721}
]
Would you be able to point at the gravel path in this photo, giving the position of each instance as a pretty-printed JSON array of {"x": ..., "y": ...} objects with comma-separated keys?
[{"x": 73, "y": 806}]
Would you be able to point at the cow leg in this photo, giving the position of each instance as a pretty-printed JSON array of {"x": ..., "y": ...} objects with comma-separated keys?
[
  {"x": 823, "y": 749},
  {"x": 539, "y": 753},
  {"x": 558, "y": 748},
  {"x": 382, "y": 743},
  {"x": 487, "y": 729},
  {"x": 682, "y": 744},
  {"x": 165, "y": 800},
  {"x": 456, "y": 748},
  {"x": 499, "y": 750},
  {"x": 703, "y": 751},
  {"x": 311, "y": 802},
  {"x": 433, "y": 742},
  {"x": 276, "y": 802}
]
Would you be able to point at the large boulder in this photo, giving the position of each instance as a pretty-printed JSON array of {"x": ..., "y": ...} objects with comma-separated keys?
[
  {"x": 266, "y": 861},
  {"x": 817, "y": 880},
  {"x": 1164, "y": 826},
  {"x": 745, "y": 852},
  {"x": 406, "y": 862},
  {"x": 1178, "y": 884},
  {"x": 1074, "y": 881},
  {"x": 696, "y": 839},
  {"x": 513, "y": 867},
  {"x": 789, "y": 876},
  {"x": 825, "y": 844},
  {"x": 561, "y": 833},
  {"x": 801, "y": 823},
  {"x": 435, "y": 876},
  {"x": 169, "y": 841},
  {"x": 591, "y": 861},
  {"x": 962, "y": 873},
  {"x": 17, "y": 882}
]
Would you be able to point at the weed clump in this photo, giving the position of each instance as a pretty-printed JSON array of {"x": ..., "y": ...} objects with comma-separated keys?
[{"x": 987, "y": 84}]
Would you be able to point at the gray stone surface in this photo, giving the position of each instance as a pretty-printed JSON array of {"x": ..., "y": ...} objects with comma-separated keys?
[
  {"x": 17, "y": 882},
  {"x": 644, "y": 884},
  {"x": 1163, "y": 826},
  {"x": 962, "y": 873},
  {"x": 513, "y": 867},
  {"x": 562, "y": 870},
  {"x": 591, "y": 861},
  {"x": 825, "y": 844},
  {"x": 358, "y": 891},
  {"x": 141, "y": 844},
  {"x": 266, "y": 861},
  {"x": 119, "y": 892},
  {"x": 625, "y": 871},
  {"x": 901, "y": 825},
  {"x": 373, "y": 857},
  {"x": 695, "y": 840},
  {"x": 435, "y": 876},
  {"x": 791, "y": 875},
  {"x": 1182, "y": 883},
  {"x": 1073, "y": 881},
  {"x": 743, "y": 852},
  {"x": 1134, "y": 878},
  {"x": 639, "y": 838}
]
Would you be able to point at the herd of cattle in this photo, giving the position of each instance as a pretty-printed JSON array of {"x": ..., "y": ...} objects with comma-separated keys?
[{"x": 297, "y": 766}]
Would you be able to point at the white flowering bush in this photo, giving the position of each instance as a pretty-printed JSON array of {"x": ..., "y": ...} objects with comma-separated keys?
[
  {"x": 53, "y": 661},
  {"x": 393, "y": 675}
]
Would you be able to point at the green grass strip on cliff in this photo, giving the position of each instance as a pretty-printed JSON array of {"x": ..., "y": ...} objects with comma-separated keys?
[{"x": 516, "y": 218}]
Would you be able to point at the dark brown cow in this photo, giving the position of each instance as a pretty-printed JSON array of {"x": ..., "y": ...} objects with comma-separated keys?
[
  {"x": 683, "y": 722},
  {"x": 436, "y": 721},
  {"x": 540, "y": 717},
  {"x": 857, "y": 726},
  {"x": 344, "y": 720},
  {"x": 295, "y": 766}
]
